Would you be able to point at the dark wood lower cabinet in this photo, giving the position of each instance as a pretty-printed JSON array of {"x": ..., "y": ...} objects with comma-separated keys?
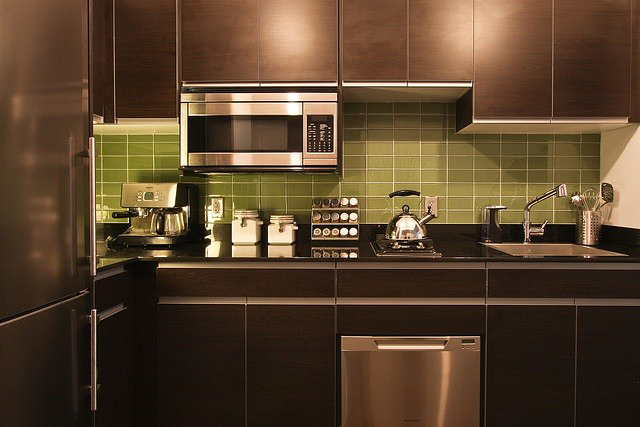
[
  {"x": 290, "y": 365},
  {"x": 530, "y": 365},
  {"x": 608, "y": 366},
  {"x": 201, "y": 365}
]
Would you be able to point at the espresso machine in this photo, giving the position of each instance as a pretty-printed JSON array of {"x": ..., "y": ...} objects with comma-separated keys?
[{"x": 159, "y": 214}]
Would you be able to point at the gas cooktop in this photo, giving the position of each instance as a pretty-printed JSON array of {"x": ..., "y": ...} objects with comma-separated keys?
[{"x": 414, "y": 248}]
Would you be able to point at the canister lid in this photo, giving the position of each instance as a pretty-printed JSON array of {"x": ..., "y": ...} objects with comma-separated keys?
[
  {"x": 247, "y": 213},
  {"x": 282, "y": 219}
]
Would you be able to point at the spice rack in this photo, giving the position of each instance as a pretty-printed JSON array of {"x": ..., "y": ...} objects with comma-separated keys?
[{"x": 335, "y": 219}]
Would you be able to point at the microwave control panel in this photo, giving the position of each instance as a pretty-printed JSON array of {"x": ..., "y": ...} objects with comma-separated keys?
[{"x": 319, "y": 134}]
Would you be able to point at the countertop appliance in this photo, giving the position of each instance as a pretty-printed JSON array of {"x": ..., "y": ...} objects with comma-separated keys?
[
  {"x": 406, "y": 226},
  {"x": 420, "y": 381},
  {"x": 47, "y": 239},
  {"x": 159, "y": 214},
  {"x": 261, "y": 131}
]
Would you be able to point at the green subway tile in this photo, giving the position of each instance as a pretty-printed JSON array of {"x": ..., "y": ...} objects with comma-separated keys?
[
  {"x": 380, "y": 121},
  {"x": 378, "y": 217},
  {"x": 166, "y": 137},
  {"x": 459, "y": 189},
  {"x": 564, "y": 217},
  {"x": 354, "y": 162},
  {"x": 540, "y": 149},
  {"x": 514, "y": 189},
  {"x": 299, "y": 189},
  {"x": 514, "y": 138},
  {"x": 299, "y": 202},
  {"x": 569, "y": 149},
  {"x": 406, "y": 107},
  {"x": 453, "y": 137},
  {"x": 543, "y": 137},
  {"x": 114, "y": 176},
  {"x": 355, "y": 135},
  {"x": 513, "y": 163},
  {"x": 567, "y": 138},
  {"x": 460, "y": 203},
  {"x": 300, "y": 177},
  {"x": 434, "y": 189},
  {"x": 165, "y": 176},
  {"x": 246, "y": 189},
  {"x": 541, "y": 216},
  {"x": 540, "y": 163},
  {"x": 326, "y": 189},
  {"x": 433, "y": 122},
  {"x": 111, "y": 189},
  {"x": 379, "y": 107},
  {"x": 404, "y": 148},
  {"x": 480, "y": 202},
  {"x": 97, "y": 136},
  {"x": 433, "y": 149},
  {"x": 433, "y": 108},
  {"x": 486, "y": 162},
  {"x": 589, "y": 176},
  {"x": 140, "y": 176},
  {"x": 414, "y": 203},
  {"x": 545, "y": 205},
  {"x": 141, "y": 162},
  {"x": 273, "y": 177},
  {"x": 567, "y": 163},
  {"x": 245, "y": 202},
  {"x": 354, "y": 107},
  {"x": 460, "y": 175},
  {"x": 460, "y": 149},
  {"x": 380, "y": 162},
  {"x": 354, "y": 121},
  {"x": 514, "y": 149},
  {"x": 379, "y": 203},
  {"x": 114, "y": 138},
  {"x": 406, "y": 175},
  {"x": 507, "y": 217},
  {"x": 590, "y": 137},
  {"x": 166, "y": 149},
  {"x": 379, "y": 148},
  {"x": 246, "y": 177},
  {"x": 433, "y": 162},
  {"x": 354, "y": 148},
  {"x": 589, "y": 149},
  {"x": 270, "y": 203},
  {"x": 513, "y": 175},
  {"x": 433, "y": 135},
  {"x": 514, "y": 203},
  {"x": 114, "y": 148},
  {"x": 407, "y": 162},
  {"x": 486, "y": 175},
  {"x": 567, "y": 176},
  {"x": 98, "y": 149},
  {"x": 487, "y": 138},
  {"x": 380, "y": 135},
  {"x": 407, "y": 121},
  {"x": 379, "y": 190},
  {"x": 353, "y": 189},
  {"x": 272, "y": 189},
  {"x": 540, "y": 176},
  {"x": 141, "y": 149},
  {"x": 460, "y": 162},
  {"x": 379, "y": 175},
  {"x": 219, "y": 177},
  {"x": 460, "y": 217},
  {"x": 433, "y": 176},
  {"x": 167, "y": 162},
  {"x": 114, "y": 162},
  {"x": 486, "y": 149},
  {"x": 219, "y": 189},
  {"x": 486, "y": 189},
  {"x": 141, "y": 138},
  {"x": 406, "y": 135},
  {"x": 354, "y": 175},
  {"x": 589, "y": 162}
]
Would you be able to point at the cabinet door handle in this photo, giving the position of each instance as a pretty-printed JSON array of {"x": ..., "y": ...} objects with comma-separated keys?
[
  {"x": 93, "y": 254},
  {"x": 93, "y": 322},
  {"x": 111, "y": 311}
]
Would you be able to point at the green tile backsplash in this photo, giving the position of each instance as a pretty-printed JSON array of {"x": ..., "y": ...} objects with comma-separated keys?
[{"x": 387, "y": 147}]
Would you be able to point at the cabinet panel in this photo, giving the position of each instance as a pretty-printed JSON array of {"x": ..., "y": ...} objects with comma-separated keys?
[
  {"x": 513, "y": 53},
  {"x": 608, "y": 367},
  {"x": 374, "y": 40},
  {"x": 298, "y": 40},
  {"x": 404, "y": 283},
  {"x": 290, "y": 365},
  {"x": 102, "y": 59},
  {"x": 201, "y": 357},
  {"x": 591, "y": 58},
  {"x": 219, "y": 40},
  {"x": 635, "y": 63},
  {"x": 440, "y": 40},
  {"x": 530, "y": 365},
  {"x": 145, "y": 58},
  {"x": 252, "y": 282}
]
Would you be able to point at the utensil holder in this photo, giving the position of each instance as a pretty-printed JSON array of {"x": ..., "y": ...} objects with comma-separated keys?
[{"x": 588, "y": 228}]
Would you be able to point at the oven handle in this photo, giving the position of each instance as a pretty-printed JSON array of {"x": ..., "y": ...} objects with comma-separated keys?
[{"x": 245, "y": 109}]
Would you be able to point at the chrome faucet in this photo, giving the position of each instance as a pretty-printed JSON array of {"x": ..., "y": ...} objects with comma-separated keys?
[{"x": 530, "y": 230}]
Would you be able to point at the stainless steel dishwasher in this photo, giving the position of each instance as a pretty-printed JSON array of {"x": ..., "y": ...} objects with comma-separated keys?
[{"x": 410, "y": 381}]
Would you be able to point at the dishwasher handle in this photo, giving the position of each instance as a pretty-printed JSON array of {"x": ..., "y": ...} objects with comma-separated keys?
[{"x": 411, "y": 343}]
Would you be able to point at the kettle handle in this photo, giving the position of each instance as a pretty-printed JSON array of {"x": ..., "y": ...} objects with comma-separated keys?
[
  {"x": 403, "y": 193},
  {"x": 160, "y": 223}
]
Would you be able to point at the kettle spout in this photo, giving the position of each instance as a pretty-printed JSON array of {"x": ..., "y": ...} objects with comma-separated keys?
[{"x": 428, "y": 217}]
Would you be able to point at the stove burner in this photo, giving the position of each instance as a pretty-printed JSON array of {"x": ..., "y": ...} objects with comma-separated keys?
[{"x": 418, "y": 247}]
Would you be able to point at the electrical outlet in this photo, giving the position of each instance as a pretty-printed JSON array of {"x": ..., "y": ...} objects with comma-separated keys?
[
  {"x": 431, "y": 202},
  {"x": 217, "y": 207}
]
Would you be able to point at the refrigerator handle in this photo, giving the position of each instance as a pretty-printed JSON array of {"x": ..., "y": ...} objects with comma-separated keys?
[
  {"x": 93, "y": 320},
  {"x": 93, "y": 255}
]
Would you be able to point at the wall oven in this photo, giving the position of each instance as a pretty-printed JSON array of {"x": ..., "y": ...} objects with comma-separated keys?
[{"x": 243, "y": 131}]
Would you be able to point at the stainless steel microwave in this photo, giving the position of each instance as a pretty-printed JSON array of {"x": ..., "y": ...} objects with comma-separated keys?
[{"x": 222, "y": 131}]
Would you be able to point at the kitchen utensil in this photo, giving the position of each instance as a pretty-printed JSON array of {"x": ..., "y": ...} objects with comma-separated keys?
[
  {"x": 606, "y": 192},
  {"x": 406, "y": 225},
  {"x": 591, "y": 199},
  {"x": 578, "y": 200},
  {"x": 588, "y": 228}
]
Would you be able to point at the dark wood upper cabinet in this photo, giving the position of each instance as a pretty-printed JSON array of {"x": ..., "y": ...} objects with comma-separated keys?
[
  {"x": 635, "y": 63},
  {"x": 145, "y": 59},
  {"x": 530, "y": 365},
  {"x": 219, "y": 40},
  {"x": 440, "y": 40},
  {"x": 513, "y": 58},
  {"x": 374, "y": 40},
  {"x": 299, "y": 40},
  {"x": 608, "y": 366},
  {"x": 291, "y": 361},
  {"x": 102, "y": 60},
  {"x": 592, "y": 55}
]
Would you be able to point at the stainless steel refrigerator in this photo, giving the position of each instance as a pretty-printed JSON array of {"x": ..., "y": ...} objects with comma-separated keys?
[{"x": 45, "y": 213}]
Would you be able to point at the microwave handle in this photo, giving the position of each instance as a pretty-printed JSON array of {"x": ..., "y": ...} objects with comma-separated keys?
[{"x": 245, "y": 109}]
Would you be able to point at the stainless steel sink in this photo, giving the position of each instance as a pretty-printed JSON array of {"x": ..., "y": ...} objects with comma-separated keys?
[{"x": 550, "y": 249}]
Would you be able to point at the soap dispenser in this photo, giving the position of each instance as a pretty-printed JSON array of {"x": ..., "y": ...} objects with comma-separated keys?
[{"x": 491, "y": 231}]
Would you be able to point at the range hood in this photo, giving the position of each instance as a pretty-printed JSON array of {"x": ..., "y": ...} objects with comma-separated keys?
[{"x": 404, "y": 91}]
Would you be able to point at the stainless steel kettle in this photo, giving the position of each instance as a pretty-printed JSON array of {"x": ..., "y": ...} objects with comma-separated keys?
[{"x": 406, "y": 225}]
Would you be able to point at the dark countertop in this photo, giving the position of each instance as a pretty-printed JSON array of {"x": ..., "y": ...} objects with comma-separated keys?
[{"x": 455, "y": 242}]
